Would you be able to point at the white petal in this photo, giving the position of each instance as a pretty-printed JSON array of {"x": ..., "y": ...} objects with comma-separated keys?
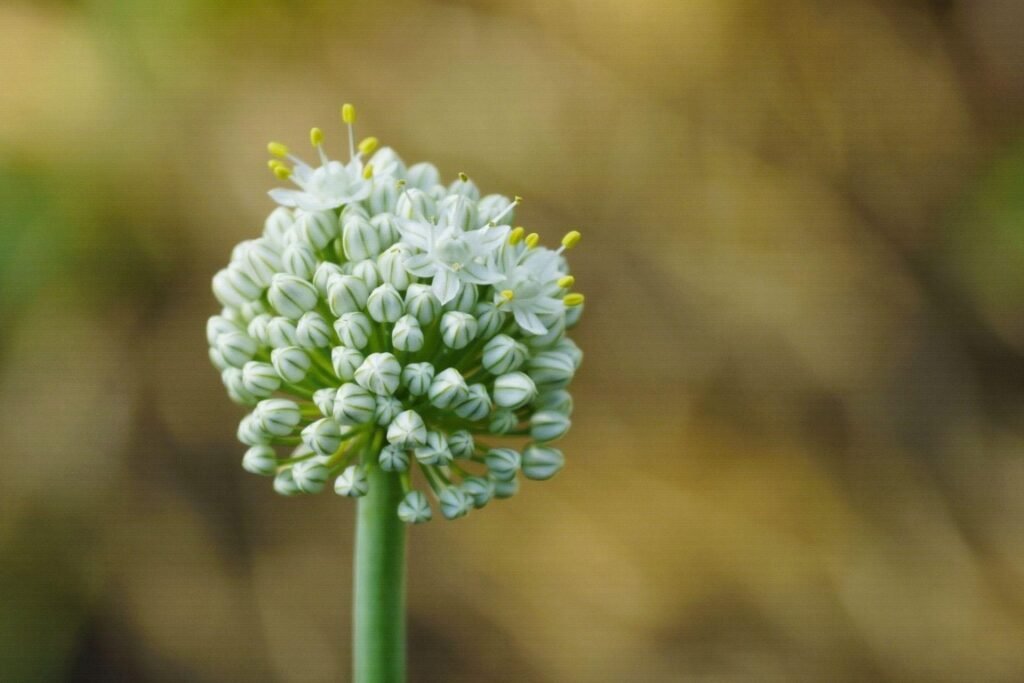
[
  {"x": 415, "y": 233},
  {"x": 285, "y": 197},
  {"x": 421, "y": 265},
  {"x": 479, "y": 274},
  {"x": 489, "y": 239},
  {"x": 529, "y": 321},
  {"x": 446, "y": 285}
]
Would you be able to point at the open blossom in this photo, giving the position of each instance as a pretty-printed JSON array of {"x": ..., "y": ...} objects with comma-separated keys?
[{"x": 386, "y": 323}]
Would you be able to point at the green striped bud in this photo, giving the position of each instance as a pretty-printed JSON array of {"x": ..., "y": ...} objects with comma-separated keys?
[
  {"x": 448, "y": 389},
  {"x": 359, "y": 239},
  {"x": 381, "y": 373},
  {"x": 285, "y": 484},
  {"x": 458, "y": 329},
  {"x": 477, "y": 404},
  {"x": 277, "y": 416},
  {"x": 260, "y": 379},
  {"x": 291, "y": 363},
  {"x": 548, "y": 425},
  {"x": 421, "y": 303},
  {"x": 346, "y": 294},
  {"x": 345, "y": 361},
  {"x": 514, "y": 390},
  {"x": 434, "y": 451},
  {"x": 454, "y": 502},
  {"x": 261, "y": 460},
  {"x": 502, "y": 422},
  {"x": 313, "y": 331},
  {"x": 291, "y": 296},
  {"x": 385, "y": 304},
  {"x": 310, "y": 475},
  {"x": 323, "y": 437},
  {"x": 407, "y": 430},
  {"x": 503, "y": 354},
  {"x": 394, "y": 459},
  {"x": 354, "y": 330},
  {"x": 407, "y": 334},
  {"x": 353, "y": 405},
  {"x": 236, "y": 348},
  {"x": 352, "y": 482},
  {"x": 417, "y": 378},
  {"x": 414, "y": 508},
  {"x": 460, "y": 443},
  {"x": 479, "y": 489},
  {"x": 503, "y": 463},
  {"x": 542, "y": 462}
]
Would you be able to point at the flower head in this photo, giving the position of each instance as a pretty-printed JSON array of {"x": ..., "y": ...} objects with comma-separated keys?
[{"x": 384, "y": 321}]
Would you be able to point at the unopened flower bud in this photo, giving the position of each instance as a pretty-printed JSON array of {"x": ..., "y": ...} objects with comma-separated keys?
[
  {"x": 514, "y": 390},
  {"x": 464, "y": 300},
  {"x": 310, "y": 475},
  {"x": 548, "y": 425},
  {"x": 282, "y": 332},
  {"x": 277, "y": 416},
  {"x": 492, "y": 207},
  {"x": 407, "y": 334},
  {"x": 394, "y": 459},
  {"x": 391, "y": 265},
  {"x": 423, "y": 176},
  {"x": 421, "y": 303},
  {"x": 448, "y": 389},
  {"x": 291, "y": 296},
  {"x": 299, "y": 260},
  {"x": 417, "y": 378},
  {"x": 353, "y": 405},
  {"x": 505, "y": 489},
  {"x": 217, "y": 359},
  {"x": 236, "y": 348},
  {"x": 277, "y": 224},
  {"x": 359, "y": 239},
  {"x": 367, "y": 272},
  {"x": 502, "y": 422},
  {"x": 477, "y": 404},
  {"x": 354, "y": 329},
  {"x": 346, "y": 294},
  {"x": 323, "y": 437},
  {"x": 233, "y": 382},
  {"x": 261, "y": 460},
  {"x": 260, "y": 379},
  {"x": 386, "y": 225},
  {"x": 313, "y": 331},
  {"x": 323, "y": 274},
  {"x": 381, "y": 373},
  {"x": 569, "y": 348},
  {"x": 291, "y": 363},
  {"x": 414, "y": 203},
  {"x": 385, "y": 304},
  {"x": 434, "y": 451},
  {"x": 318, "y": 228},
  {"x": 414, "y": 508},
  {"x": 461, "y": 212},
  {"x": 479, "y": 489},
  {"x": 454, "y": 502},
  {"x": 218, "y": 325},
  {"x": 465, "y": 187},
  {"x": 542, "y": 462},
  {"x": 407, "y": 430},
  {"x": 259, "y": 329},
  {"x": 324, "y": 400},
  {"x": 551, "y": 369},
  {"x": 572, "y": 316},
  {"x": 388, "y": 408},
  {"x": 503, "y": 354},
  {"x": 460, "y": 443},
  {"x": 352, "y": 482},
  {"x": 457, "y": 329},
  {"x": 556, "y": 330},
  {"x": 285, "y": 484},
  {"x": 490, "y": 319},
  {"x": 559, "y": 401},
  {"x": 503, "y": 463},
  {"x": 345, "y": 361}
]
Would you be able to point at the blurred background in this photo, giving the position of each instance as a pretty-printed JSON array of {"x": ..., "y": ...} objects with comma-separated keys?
[{"x": 798, "y": 451}]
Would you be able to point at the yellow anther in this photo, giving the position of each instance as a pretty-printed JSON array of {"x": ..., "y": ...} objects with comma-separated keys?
[
  {"x": 574, "y": 299},
  {"x": 316, "y": 137},
  {"x": 348, "y": 114},
  {"x": 463, "y": 177},
  {"x": 566, "y": 282},
  {"x": 282, "y": 171},
  {"x": 400, "y": 183},
  {"x": 518, "y": 200},
  {"x": 273, "y": 163},
  {"x": 368, "y": 171},
  {"x": 368, "y": 146},
  {"x": 516, "y": 236},
  {"x": 508, "y": 294},
  {"x": 532, "y": 240},
  {"x": 277, "y": 149},
  {"x": 571, "y": 239}
]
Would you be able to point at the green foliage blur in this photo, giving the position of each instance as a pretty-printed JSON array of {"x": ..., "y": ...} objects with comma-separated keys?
[{"x": 798, "y": 450}]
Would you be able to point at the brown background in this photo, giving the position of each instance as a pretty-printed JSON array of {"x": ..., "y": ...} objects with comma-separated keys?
[{"x": 798, "y": 451}]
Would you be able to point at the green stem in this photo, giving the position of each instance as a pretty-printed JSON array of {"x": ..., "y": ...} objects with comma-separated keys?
[{"x": 379, "y": 624}]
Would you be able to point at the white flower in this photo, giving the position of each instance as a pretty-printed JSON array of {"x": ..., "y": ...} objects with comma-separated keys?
[{"x": 529, "y": 285}]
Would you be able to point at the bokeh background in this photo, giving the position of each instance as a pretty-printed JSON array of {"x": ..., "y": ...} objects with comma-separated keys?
[{"x": 798, "y": 451}]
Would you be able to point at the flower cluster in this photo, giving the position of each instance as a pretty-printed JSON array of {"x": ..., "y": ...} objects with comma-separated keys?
[{"x": 385, "y": 320}]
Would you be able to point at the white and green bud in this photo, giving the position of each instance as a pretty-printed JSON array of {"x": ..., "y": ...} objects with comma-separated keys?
[
  {"x": 479, "y": 489},
  {"x": 448, "y": 389},
  {"x": 261, "y": 460},
  {"x": 277, "y": 416},
  {"x": 388, "y": 408},
  {"x": 393, "y": 459},
  {"x": 434, "y": 451},
  {"x": 556, "y": 331},
  {"x": 383, "y": 197},
  {"x": 490, "y": 319},
  {"x": 360, "y": 239},
  {"x": 407, "y": 335},
  {"x": 217, "y": 359},
  {"x": 548, "y": 425},
  {"x": 514, "y": 390},
  {"x": 318, "y": 228},
  {"x": 391, "y": 265},
  {"x": 417, "y": 378},
  {"x": 407, "y": 430},
  {"x": 423, "y": 176},
  {"x": 251, "y": 309},
  {"x": 414, "y": 508},
  {"x": 551, "y": 369},
  {"x": 386, "y": 225},
  {"x": 345, "y": 361},
  {"x": 495, "y": 207},
  {"x": 466, "y": 188},
  {"x": 477, "y": 404},
  {"x": 313, "y": 331},
  {"x": 299, "y": 260},
  {"x": 250, "y": 434},
  {"x": 278, "y": 223},
  {"x": 460, "y": 212},
  {"x": 385, "y": 304},
  {"x": 460, "y": 443},
  {"x": 542, "y": 462},
  {"x": 414, "y": 203},
  {"x": 324, "y": 400},
  {"x": 260, "y": 379},
  {"x": 323, "y": 274},
  {"x": 323, "y": 437},
  {"x": 354, "y": 329},
  {"x": 367, "y": 272},
  {"x": 387, "y": 163},
  {"x": 285, "y": 484},
  {"x": 502, "y": 422},
  {"x": 503, "y": 354},
  {"x": 353, "y": 405},
  {"x": 216, "y": 326},
  {"x": 352, "y": 482},
  {"x": 381, "y": 373},
  {"x": 569, "y": 348},
  {"x": 233, "y": 287},
  {"x": 310, "y": 475},
  {"x": 236, "y": 348},
  {"x": 346, "y": 294},
  {"x": 505, "y": 489},
  {"x": 421, "y": 303},
  {"x": 458, "y": 329},
  {"x": 465, "y": 300},
  {"x": 573, "y": 315},
  {"x": 559, "y": 401},
  {"x": 503, "y": 463},
  {"x": 259, "y": 329},
  {"x": 291, "y": 363},
  {"x": 282, "y": 332},
  {"x": 233, "y": 382},
  {"x": 291, "y": 296},
  {"x": 454, "y": 502}
]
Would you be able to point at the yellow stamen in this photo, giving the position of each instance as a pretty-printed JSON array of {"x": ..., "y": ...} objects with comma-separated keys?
[
  {"x": 566, "y": 282},
  {"x": 516, "y": 236},
  {"x": 348, "y": 114},
  {"x": 571, "y": 239},
  {"x": 277, "y": 149},
  {"x": 282, "y": 171},
  {"x": 316, "y": 137},
  {"x": 368, "y": 171},
  {"x": 532, "y": 240},
  {"x": 574, "y": 299},
  {"x": 508, "y": 294},
  {"x": 518, "y": 200},
  {"x": 368, "y": 146},
  {"x": 400, "y": 183},
  {"x": 463, "y": 177},
  {"x": 273, "y": 163}
]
